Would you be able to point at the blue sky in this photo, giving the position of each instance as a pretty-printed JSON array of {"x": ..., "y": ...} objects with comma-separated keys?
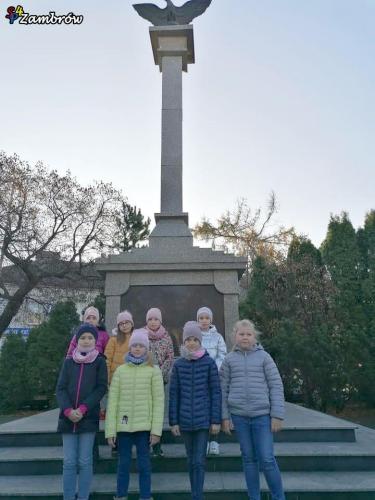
[{"x": 281, "y": 98}]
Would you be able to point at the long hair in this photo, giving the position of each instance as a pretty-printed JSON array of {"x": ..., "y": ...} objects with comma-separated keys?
[{"x": 121, "y": 336}]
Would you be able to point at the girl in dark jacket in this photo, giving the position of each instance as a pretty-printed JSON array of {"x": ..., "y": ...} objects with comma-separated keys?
[
  {"x": 81, "y": 385},
  {"x": 194, "y": 403}
]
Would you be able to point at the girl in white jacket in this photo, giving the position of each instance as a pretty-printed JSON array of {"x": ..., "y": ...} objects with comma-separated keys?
[{"x": 214, "y": 344}]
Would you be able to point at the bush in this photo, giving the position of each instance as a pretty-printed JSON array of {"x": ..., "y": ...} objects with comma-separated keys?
[{"x": 14, "y": 388}]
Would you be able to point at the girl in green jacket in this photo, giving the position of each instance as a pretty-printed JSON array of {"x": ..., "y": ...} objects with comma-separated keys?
[{"x": 135, "y": 413}]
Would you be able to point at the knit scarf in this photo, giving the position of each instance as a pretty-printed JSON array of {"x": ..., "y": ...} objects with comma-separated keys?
[
  {"x": 129, "y": 358},
  {"x": 85, "y": 357},
  {"x": 192, "y": 355},
  {"x": 159, "y": 334}
]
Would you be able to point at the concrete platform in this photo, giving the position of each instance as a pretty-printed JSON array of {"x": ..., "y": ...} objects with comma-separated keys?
[{"x": 300, "y": 425}]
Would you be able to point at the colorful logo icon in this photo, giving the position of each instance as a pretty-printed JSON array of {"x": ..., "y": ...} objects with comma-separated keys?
[{"x": 14, "y": 13}]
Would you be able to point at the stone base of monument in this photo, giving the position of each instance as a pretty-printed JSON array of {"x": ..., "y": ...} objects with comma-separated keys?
[{"x": 321, "y": 457}]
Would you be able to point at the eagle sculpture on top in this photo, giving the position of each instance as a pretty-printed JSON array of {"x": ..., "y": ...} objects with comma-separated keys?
[{"x": 172, "y": 14}]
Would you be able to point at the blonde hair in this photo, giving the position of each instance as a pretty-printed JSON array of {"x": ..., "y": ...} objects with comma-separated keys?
[{"x": 245, "y": 323}]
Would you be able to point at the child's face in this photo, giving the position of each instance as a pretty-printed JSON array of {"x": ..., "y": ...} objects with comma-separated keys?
[
  {"x": 245, "y": 338},
  {"x": 125, "y": 327},
  {"x": 86, "y": 341},
  {"x": 153, "y": 324},
  {"x": 138, "y": 350},
  {"x": 204, "y": 321},
  {"x": 92, "y": 319},
  {"x": 192, "y": 344}
]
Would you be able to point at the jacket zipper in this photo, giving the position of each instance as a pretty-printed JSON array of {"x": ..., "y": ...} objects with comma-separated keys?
[{"x": 78, "y": 389}]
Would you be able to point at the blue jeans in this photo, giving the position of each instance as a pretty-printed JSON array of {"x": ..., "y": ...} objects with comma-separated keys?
[
  {"x": 125, "y": 442},
  {"x": 196, "y": 448},
  {"x": 77, "y": 449},
  {"x": 256, "y": 441}
]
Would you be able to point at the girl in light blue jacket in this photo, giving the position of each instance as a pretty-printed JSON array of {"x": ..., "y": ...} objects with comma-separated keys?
[
  {"x": 253, "y": 398},
  {"x": 214, "y": 344}
]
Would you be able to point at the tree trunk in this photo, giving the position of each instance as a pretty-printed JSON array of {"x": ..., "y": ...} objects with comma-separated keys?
[{"x": 13, "y": 305}]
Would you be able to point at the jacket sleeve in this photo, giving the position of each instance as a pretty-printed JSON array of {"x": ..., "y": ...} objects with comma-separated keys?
[
  {"x": 225, "y": 382},
  {"x": 112, "y": 406},
  {"x": 275, "y": 386},
  {"x": 221, "y": 351},
  {"x": 72, "y": 346},
  {"x": 174, "y": 390},
  {"x": 101, "y": 385},
  {"x": 168, "y": 360},
  {"x": 109, "y": 353},
  {"x": 62, "y": 395},
  {"x": 157, "y": 402},
  {"x": 215, "y": 393}
]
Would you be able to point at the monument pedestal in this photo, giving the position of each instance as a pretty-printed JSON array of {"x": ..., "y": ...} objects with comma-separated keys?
[
  {"x": 171, "y": 273},
  {"x": 176, "y": 278}
]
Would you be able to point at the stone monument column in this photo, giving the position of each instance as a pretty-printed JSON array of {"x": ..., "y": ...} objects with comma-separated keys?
[{"x": 171, "y": 273}]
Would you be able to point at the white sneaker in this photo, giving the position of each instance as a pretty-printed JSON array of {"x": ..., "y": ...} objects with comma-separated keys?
[{"x": 214, "y": 448}]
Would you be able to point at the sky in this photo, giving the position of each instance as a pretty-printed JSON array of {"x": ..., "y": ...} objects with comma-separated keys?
[{"x": 281, "y": 98}]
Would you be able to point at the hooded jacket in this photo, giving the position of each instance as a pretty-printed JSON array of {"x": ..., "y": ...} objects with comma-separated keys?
[
  {"x": 251, "y": 384},
  {"x": 215, "y": 345}
]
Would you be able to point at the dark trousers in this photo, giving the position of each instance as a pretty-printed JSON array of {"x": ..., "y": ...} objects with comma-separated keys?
[
  {"x": 196, "y": 447},
  {"x": 125, "y": 442}
]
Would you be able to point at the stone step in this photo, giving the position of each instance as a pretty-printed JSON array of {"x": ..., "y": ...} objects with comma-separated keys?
[
  {"x": 301, "y": 425},
  {"x": 218, "y": 486},
  {"x": 359, "y": 455}
]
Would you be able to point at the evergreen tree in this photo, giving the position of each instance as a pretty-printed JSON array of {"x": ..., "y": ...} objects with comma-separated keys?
[
  {"x": 291, "y": 302},
  {"x": 132, "y": 228},
  {"x": 47, "y": 346},
  {"x": 13, "y": 374}
]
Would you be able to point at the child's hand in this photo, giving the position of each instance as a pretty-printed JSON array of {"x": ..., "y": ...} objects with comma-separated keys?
[
  {"x": 112, "y": 442},
  {"x": 175, "y": 430},
  {"x": 226, "y": 426},
  {"x": 154, "y": 439},
  {"x": 215, "y": 429},
  {"x": 74, "y": 417},
  {"x": 276, "y": 424}
]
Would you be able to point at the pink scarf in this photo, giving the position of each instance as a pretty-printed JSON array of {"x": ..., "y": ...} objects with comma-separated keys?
[
  {"x": 89, "y": 357},
  {"x": 192, "y": 355},
  {"x": 159, "y": 334}
]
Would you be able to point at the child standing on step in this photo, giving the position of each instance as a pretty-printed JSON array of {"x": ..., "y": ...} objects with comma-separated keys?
[
  {"x": 91, "y": 315},
  {"x": 194, "y": 403},
  {"x": 214, "y": 344},
  {"x": 253, "y": 398},
  {"x": 135, "y": 413},
  {"x": 161, "y": 346},
  {"x": 118, "y": 344},
  {"x": 81, "y": 385}
]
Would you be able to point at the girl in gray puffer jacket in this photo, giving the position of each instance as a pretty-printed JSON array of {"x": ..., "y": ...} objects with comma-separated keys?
[
  {"x": 214, "y": 344},
  {"x": 253, "y": 398}
]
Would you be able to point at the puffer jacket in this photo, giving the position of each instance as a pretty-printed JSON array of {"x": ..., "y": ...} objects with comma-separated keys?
[
  {"x": 81, "y": 384},
  {"x": 115, "y": 353},
  {"x": 194, "y": 394},
  {"x": 136, "y": 400},
  {"x": 251, "y": 384},
  {"x": 214, "y": 344}
]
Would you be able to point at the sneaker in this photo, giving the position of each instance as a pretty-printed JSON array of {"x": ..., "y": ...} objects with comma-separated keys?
[
  {"x": 214, "y": 448},
  {"x": 157, "y": 451}
]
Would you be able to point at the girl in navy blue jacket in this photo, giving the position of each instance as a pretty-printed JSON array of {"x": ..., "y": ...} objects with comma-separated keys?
[
  {"x": 82, "y": 384},
  {"x": 194, "y": 403}
]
